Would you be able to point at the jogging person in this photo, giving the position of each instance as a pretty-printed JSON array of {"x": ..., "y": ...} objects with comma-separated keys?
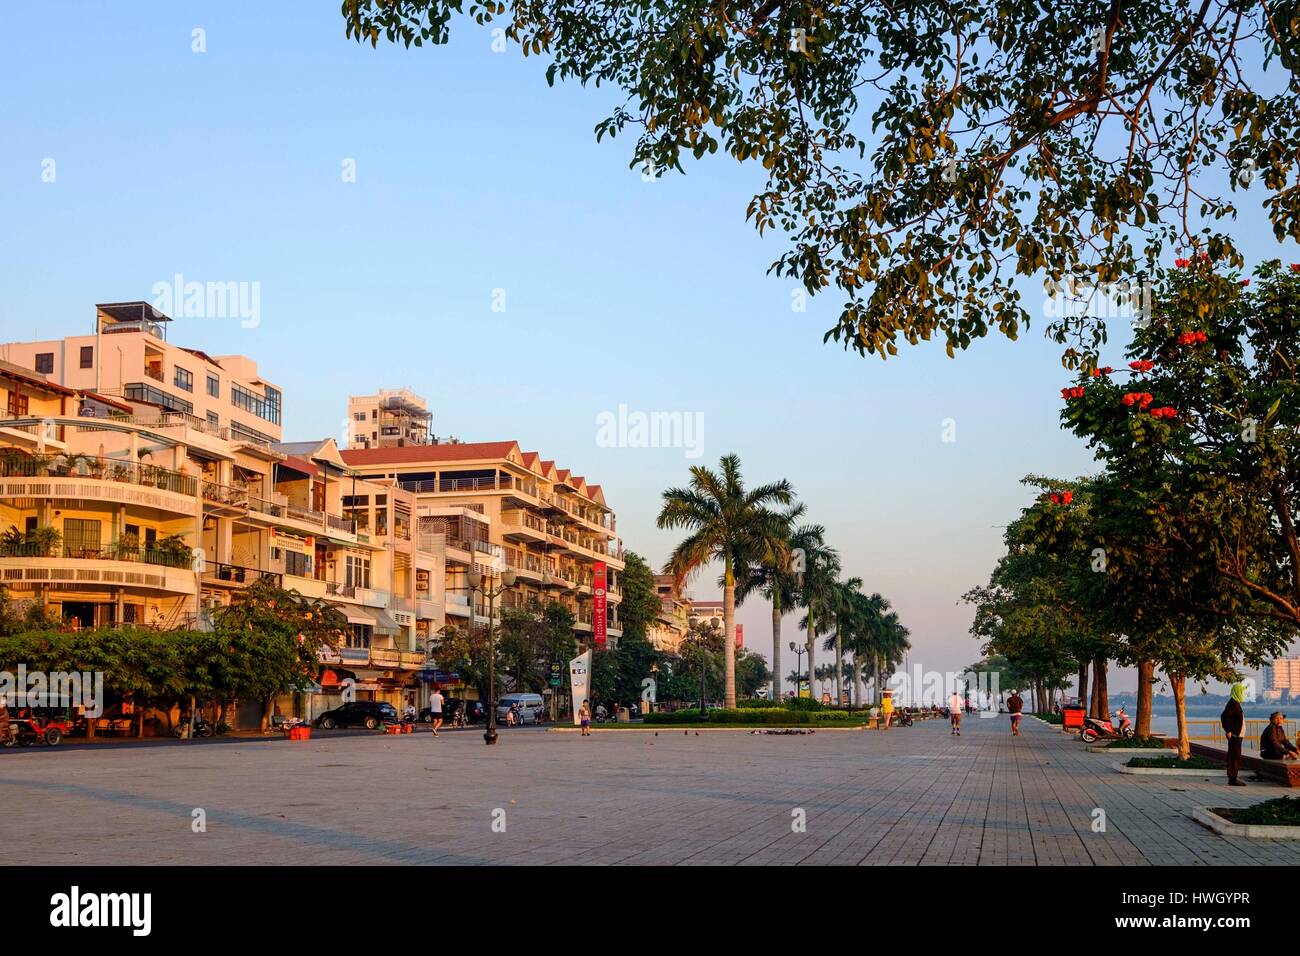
[
  {"x": 955, "y": 703},
  {"x": 435, "y": 709},
  {"x": 1015, "y": 704}
]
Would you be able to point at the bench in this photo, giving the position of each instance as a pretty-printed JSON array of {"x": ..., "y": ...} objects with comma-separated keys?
[{"x": 1285, "y": 772}]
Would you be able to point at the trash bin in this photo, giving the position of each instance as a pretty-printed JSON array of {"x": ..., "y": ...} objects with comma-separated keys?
[
  {"x": 1072, "y": 717},
  {"x": 624, "y": 715}
]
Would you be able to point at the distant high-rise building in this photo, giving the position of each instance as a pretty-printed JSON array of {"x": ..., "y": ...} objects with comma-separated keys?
[
  {"x": 393, "y": 418},
  {"x": 1282, "y": 678}
]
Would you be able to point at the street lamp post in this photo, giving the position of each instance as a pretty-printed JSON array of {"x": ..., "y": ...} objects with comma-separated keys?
[
  {"x": 482, "y": 584},
  {"x": 799, "y": 652}
]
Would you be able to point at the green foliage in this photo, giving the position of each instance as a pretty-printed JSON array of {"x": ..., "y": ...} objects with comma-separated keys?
[
  {"x": 806, "y": 704},
  {"x": 928, "y": 160},
  {"x": 1278, "y": 812},
  {"x": 640, "y": 605},
  {"x": 1137, "y": 743},
  {"x": 1172, "y": 762},
  {"x": 756, "y": 716}
]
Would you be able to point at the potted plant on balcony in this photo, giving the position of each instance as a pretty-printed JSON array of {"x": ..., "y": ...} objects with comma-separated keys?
[
  {"x": 127, "y": 547},
  {"x": 43, "y": 542},
  {"x": 175, "y": 552}
]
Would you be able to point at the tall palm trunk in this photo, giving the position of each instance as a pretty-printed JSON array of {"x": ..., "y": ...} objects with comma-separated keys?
[
  {"x": 776, "y": 645},
  {"x": 839, "y": 663},
  {"x": 729, "y": 626},
  {"x": 812, "y": 639},
  {"x": 1083, "y": 683},
  {"x": 857, "y": 681}
]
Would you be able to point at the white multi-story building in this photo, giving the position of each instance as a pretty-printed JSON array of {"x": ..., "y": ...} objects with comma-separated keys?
[
  {"x": 393, "y": 418},
  {"x": 1282, "y": 678}
]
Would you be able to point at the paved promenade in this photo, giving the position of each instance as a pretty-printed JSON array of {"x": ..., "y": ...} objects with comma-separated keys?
[{"x": 906, "y": 796}]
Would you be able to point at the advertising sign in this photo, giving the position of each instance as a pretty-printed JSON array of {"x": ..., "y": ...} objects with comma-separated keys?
[
  {"x": 580, "y": 682},
  {"x": 599, "y": 573}
]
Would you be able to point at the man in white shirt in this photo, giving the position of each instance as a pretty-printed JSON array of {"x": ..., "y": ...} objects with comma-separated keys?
[
  {"x": 435, "y": 709},
  {"x": 955, "y": 704}
]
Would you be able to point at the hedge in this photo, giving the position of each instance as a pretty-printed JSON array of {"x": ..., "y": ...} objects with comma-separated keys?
[{"x": 754, "y": 715}]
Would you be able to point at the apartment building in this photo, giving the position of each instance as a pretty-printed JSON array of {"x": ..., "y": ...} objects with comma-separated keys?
[
  {"x": 128, "y": 357},
  {"x": 392, "y": 418},
  {"x": 1282, "y": 679},
  {"x": 118, "y": 507},
  {"x": 665, "y": 633},
  {"x": 493, "y": 505}
]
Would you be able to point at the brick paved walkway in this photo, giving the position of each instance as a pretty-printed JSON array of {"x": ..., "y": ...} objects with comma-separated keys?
[{"x": 904, "y": 796}]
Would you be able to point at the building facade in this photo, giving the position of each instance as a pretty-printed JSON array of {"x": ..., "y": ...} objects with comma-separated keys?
[
  {"x": 495, "y": 506},
  {"x": 1282, "y": 679},
  {"x": 392, "y": 418}
]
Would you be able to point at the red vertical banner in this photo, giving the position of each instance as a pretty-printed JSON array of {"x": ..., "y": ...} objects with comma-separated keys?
[
  {"x": 740, "y": 637},
  {"x": 598, "y": 635}
]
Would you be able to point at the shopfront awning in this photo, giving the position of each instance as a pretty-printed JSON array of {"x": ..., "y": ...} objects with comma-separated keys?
[
  {"x": 355, "y": 614},
  {"x": 384, "y": 623}
]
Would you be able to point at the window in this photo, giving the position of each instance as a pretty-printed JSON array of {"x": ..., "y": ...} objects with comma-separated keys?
[
  {"x": 80, "y": 537},
  {"x": 266, "y": 408},
  {"x": 214, "y": 420},
  {"x": 87, "y": 356},
  {"x": 360, "y": 416},
  {"x": 184, "y": 379},
  {"x": 358, "y": 572},
  {"x": 17, "y": 405},
  {"x": 214, "y": 386},
  {"x": 297, "y": 564},
  {"x": 137, "y": 392},
  {"x": 45, "y": 363}
]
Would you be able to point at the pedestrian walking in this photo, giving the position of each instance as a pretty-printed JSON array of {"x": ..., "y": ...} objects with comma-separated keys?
[
  {"x": 584, "y": 718},
  {"x": 1233, "y": 720},
  {"x": 954, "y": 711},
  {"x": 1015, "y": 704},
  {"x": 887, "y": 707},
  {"x": 435, "y": 709}
]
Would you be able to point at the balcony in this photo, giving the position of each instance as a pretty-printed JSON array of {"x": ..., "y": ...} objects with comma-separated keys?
[
  {"x": 355, "y": 655},
  {"x": 234, "y": 574},
  {"x": 521, "y": 526},
  {"x": 23, "y": 566},
  {"x": 92, "y": 478}
]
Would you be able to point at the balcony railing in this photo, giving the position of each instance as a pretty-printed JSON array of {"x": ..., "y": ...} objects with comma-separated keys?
[
  {"x": 119, "y": 552},
  {"x": 235, "y": 574},
  {"x": 97, "y": 469}
]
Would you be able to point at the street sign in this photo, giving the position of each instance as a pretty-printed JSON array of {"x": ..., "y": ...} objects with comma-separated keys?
[{"x": 557, "y": 673}]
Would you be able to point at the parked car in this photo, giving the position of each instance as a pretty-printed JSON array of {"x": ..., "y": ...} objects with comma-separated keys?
[
  {"x": 530, "y": 705},
  {"x": 475, "y": 710},
  {"x": 371, "y": 714}
]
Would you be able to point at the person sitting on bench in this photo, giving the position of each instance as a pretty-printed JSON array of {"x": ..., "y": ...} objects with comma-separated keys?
[{"x": 1273, "y": 743}]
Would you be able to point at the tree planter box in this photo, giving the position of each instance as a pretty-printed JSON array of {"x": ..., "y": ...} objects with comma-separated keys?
[
  {"x": 1122, "y": 767},
  {"x": 1208, "y": 816}
]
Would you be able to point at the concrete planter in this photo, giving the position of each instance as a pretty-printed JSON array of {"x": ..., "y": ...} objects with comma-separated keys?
[
  {"x": 1165, "y": 771},
  {"x": 1224, "y": 827}
]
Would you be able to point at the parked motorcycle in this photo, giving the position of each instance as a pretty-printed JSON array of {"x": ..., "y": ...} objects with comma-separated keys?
[
  {"x": 1115, "y": 727},
  {"x": 904, "y": 719},
  {"x": 201, "y": 728}
]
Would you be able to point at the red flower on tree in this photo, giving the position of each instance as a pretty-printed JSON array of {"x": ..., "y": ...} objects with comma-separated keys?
[{"x": 1181, "y": 263}]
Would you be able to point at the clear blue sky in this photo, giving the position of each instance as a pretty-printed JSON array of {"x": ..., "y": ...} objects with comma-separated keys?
[{"x": 473, "y": 175}]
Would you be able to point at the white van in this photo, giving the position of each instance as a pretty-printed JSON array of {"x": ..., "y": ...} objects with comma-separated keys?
[{"x": 530, "y": 705}]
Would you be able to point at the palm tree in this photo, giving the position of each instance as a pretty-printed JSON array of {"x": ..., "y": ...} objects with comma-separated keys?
[
  {"x": 817, "y": 594},
  {"x": 844, "y": 608},
  {"x": 727, "y": 523},
  {"x": 775, "y": 576}
]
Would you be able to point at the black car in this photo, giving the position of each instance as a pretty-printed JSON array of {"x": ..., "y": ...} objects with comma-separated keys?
[
  {"x": 474, "y": 710},
  {"x": 370, "y": 714}
]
